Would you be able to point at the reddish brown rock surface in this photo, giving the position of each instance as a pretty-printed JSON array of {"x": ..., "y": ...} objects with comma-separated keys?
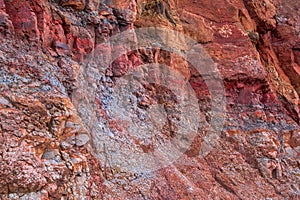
[{"x": 48, "y": 149}]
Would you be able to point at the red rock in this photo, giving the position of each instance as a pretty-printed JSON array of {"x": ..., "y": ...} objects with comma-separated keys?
[
  {"x": 24, "y": 19},
  {"x": 2, "y": 5},
  {"x": 76, "y": 4},
  {"x": 57, "y": 86},
  {"x": 6, "y": 26},
  {"x": 263, "y": 12},
  {"x": 84, "y": 46},
  {"x": 120, "y": 66},
  {"x": 93, "y": 5}
]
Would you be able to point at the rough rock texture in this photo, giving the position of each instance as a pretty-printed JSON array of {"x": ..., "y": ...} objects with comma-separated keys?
[{"x": 48, "y": 150}]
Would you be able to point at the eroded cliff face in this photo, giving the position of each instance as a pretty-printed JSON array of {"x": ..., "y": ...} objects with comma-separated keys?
[{"x": 50, "y": 151}]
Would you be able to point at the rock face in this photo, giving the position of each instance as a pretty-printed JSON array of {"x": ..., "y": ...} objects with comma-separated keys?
[{"x": 66, "y": 124}]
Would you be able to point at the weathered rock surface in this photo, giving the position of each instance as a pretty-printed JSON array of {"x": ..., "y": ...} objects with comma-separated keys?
[{"x": 50, "y": 53}]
